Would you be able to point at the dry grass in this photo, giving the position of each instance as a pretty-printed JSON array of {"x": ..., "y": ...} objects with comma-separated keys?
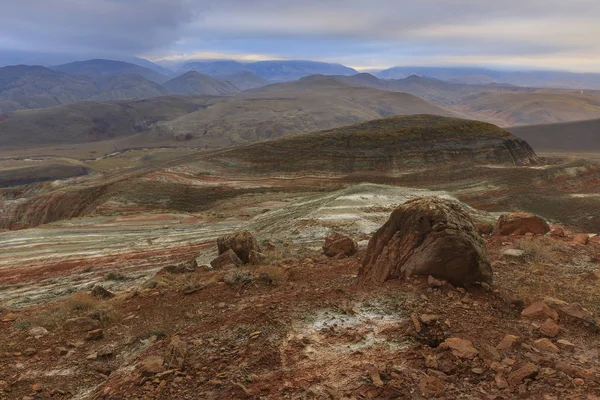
[
  {"x": 80, "y": 304},
  {"x": 540, "y": 250},
  {"x": 272, "y": 274}
]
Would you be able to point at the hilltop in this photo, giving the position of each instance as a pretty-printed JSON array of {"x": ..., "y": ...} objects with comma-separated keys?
[
  {"x": 192, "y": 83},
  {"x": 101, "y": 67},
  {"x": 385, "y": 145}
]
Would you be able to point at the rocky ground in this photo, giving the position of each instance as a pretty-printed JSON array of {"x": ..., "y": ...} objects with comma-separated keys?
[{"x": 299, "y": 326}]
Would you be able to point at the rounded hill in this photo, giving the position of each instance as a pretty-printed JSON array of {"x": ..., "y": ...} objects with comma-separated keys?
[{"x": 385, "y": 145}]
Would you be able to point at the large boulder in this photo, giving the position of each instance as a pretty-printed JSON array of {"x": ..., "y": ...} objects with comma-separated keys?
[
  {"x": 336, "y": 244},
  {"x": 242, "y": 243},
  {"x": 226, "y": 260},
  {"x": 520, "y": 223},
  {"x": 427, "y": 236}
]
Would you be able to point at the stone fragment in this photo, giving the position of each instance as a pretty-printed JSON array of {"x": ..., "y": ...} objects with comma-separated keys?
[
  {"x": 227, "y": 259},
  {"x": 431, "y": 386},
  {"x": 529, "y": 370},
  {"x": 152, "y": 365},
  {"x": 546, "y": 345},
  {"x": 101, "y": 293},
  {"x": 539, "y": 310},
  {"x": 461, "y": 348},
  {"x": 96, "y": 334},
  {"x": 581, "y": 238},
  {"x": 38, "y": 331},
  {"x": 520, "y": 223},
  {"x": 550, "y": 328},
  {"x": 242, "y": 243},
  {"x": 507, "y": 342},
  {"x": 336, "y": 244}
]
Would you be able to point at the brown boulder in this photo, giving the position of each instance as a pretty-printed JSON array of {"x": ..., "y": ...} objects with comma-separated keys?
[
  {"x": 461, "y": 348},
  {"x": 529, "y": 370},
  {"x": 539, "y": 310},
  {"x": 336, "y": 244},
  {"x": 484, "y": 229},
  {"x": 227, "y": 259},
  {"x": 550, "y": 328},
  {"x": 427, "y": 236},
  {"x": 180, "y": 268},
  {"x": 581, "y": 238},
  {"x": 520, "y": 223},
  {"x": 242, "y": 243},
  {"x": 152, "y": 365}
]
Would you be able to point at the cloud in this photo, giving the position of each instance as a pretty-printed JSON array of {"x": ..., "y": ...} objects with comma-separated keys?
[{"x": 357, "y": 32}]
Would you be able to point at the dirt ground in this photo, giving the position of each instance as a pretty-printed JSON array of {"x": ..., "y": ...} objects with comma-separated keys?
[{"x": 299, "y": 327}]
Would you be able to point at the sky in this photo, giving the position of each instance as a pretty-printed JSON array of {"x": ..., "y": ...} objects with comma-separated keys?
[{"x": 364, "y": 34}]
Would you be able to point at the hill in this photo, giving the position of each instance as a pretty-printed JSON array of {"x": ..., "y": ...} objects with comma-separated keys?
[
  {"x": 540, "y": 78},
  {"x": 272, "y": 71},
  {"x": 269, "y": 112},
  {"x": 31, "y": 87},
  {"x": 579, "y": 135},
  {"x": 246, "y": 80},
  {"x": 101, "y": 67},
  {"x": 193, "y": 82},
  {"x": 540, "y": 106},
  {"x": 384, "y": 145}
]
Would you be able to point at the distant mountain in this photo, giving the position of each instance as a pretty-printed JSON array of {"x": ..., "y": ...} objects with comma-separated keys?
[
  {"x": 541, "y": 78},
  {"x": 30, "y": 87},
  {"x": 100, "y": 67},
  {"x": 127, "y": 87},
  {"x": 192, "y": 83},
  {"x": 246, "y": 80},
  {"x": 142, "y": 62},
  {"x": 272, "y": 71},
  {"x": 218, "y": 68},
  {"x": 579, "y": 135}
]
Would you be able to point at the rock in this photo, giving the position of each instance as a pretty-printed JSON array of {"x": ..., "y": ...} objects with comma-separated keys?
[
  {"x": 461, "y": 348},
  {"x": 430, "y": 386},
  {"x": 576, "y": 311},
  {"x": 514, "y": 254},
  {"x": 242, "y": 243},
  {"x": 558, "y": 232},
  {"x": 529, "y": 370},
  {"x": 427, "y": 236},
  {"x": 564, "y": 343},
  {"x": 101, "y": 293},
  {"x": 256, "y": 257},
  {"x": 152, "y": 365},
  {"x": 500, "y": 381},
  {"x": 184, "y": 267},
  {"x": 227, "y": 259},
  {"x": 62, "y": 351},
  {"x": 546, "y": 345},
  {"x": 10, "y": 317},
  {"x": 507, "y": 342},
  {"x": 374, "y": 375},
  {"x": 178, "y": 352},
  {"x": 96, "y": 334},
  {"x": 30, "y": 351},
  {"x": 550, "y": 328},
  {"x": 520, "y": 223},
  {"x": 489, "y": 353},
  {"x": 82, "y": 324},
  {"x": 336, "y": 244},
  {"x": 539, "y": 310},
  {"x": 581, "y": 238},
  {"x": 434, "y": 283},
  {"x": 484, "y": 229},
  {"x": 36, "y": 387},
  {"x": 38, "y": 331}
]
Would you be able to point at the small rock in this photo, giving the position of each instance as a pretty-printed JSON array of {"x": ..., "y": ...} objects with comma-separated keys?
[
  {"x": 565, "y": 343},
  {"x": 36, "y": 387},
  {"x": 152, "y": 365},
  {"x": 581, "y": 238},
  {"x": 434, "y": 283},
  {"x": 576, "y": 311},
  {"x": 507, "y": 342},
  {"x": 256, "y": 258},
  {"x": 430, "y": 386},
  {"x": 579, "y": 382},
  {"x": 10, "y": 317},
  {"x": 461, "y": 348},
  {"x": 546, "y": 345},
  {"x": 514, "y": 254},
  {"x": 429, "y": 318},
  {"x": 500, "y": 381},
  {"x": 529, "y": 370},
  {"x": 241, "y": 243},
  {"x": 101, "y": 293},
  {"x": 227, "y": 259},
  {"x": 488, "y": 352},
  {"x": 336, "y": 244},
  {"x": 550, "y": 328},
  {"x": 30, "y": 351},
  {"x": 539, "y": 310},
  {"x": 38, "y": 331},
  {"x": 520, "y": 223},
  {"x": 558, "y": 232},
  {"x": 96, "y": 334},
  {"x": 62, "y": 350}
]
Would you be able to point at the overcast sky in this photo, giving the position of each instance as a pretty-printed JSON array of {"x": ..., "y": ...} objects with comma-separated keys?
[{"x": 362, "y": 34}]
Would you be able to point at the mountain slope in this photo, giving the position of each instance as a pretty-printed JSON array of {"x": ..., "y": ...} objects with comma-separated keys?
[
  {"x": 384, "y": 145},
  {"x": 579, "y": 135},
  {"x": 101, "y": 67},
  {"x": 246, "y": 80},
  {"x": 192, "y": 83}
]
